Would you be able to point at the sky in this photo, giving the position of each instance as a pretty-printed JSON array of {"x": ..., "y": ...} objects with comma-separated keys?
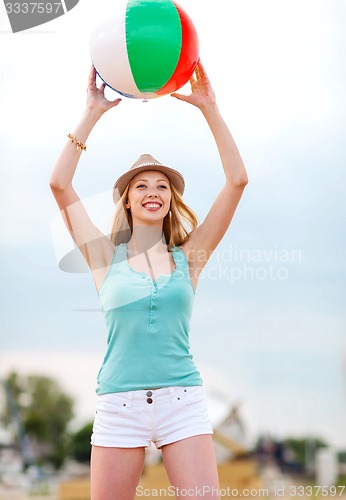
[{"x": 269, "y": 323}]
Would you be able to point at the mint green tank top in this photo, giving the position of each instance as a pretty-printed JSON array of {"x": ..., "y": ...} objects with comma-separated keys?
[{"x": 148, "y": 325}]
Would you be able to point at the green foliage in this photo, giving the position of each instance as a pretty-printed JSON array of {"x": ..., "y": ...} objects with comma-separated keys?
[
  {"x": 298, "y": 447},
  {"x": 291, "y": 451},
  {"x": 341, "y": 481},
  {"x": 80, "y": 443},
  {"x": 45, "y": 412}
]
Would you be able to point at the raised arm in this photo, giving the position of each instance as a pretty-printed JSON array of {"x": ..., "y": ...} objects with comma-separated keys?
[
  {"x": 95, "y": 247},
  {"x": 205, "y": 238}
]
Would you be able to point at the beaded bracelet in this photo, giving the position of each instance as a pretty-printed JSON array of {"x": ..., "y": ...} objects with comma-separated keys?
[{"x": 80, "y": 145}]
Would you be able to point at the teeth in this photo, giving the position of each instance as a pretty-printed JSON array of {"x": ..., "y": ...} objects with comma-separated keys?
[{"x": 151, "y": 205}]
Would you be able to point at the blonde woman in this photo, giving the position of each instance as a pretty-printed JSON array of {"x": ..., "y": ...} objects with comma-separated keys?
[{"x": 146, "y": 274}]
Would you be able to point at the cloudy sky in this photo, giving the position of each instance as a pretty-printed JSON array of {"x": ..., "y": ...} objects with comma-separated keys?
[{"x": 269, "y": 325}]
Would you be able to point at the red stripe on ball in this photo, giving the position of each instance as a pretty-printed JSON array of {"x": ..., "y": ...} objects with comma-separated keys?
[{"x": 188, "y": 57}]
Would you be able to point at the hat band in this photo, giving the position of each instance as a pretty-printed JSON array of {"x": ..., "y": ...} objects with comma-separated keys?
[{"x": 147, "y": 164}]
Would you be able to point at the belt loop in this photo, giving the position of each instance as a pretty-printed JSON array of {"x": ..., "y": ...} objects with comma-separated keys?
[
  {"x": 172, "y": 392},
  {"x": 129, "y": 398}
]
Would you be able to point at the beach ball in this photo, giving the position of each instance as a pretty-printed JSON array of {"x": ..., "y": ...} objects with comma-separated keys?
[{"x": 145, "y": 48}]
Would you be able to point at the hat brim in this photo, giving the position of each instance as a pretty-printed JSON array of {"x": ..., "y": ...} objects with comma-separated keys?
[{"x": 174, "y": 176}]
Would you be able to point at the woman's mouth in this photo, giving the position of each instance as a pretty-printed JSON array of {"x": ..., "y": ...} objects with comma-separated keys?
[{"x": 152, "y": 206}]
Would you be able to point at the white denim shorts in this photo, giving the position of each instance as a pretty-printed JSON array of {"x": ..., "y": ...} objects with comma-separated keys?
[{"x": 162, "y": 416}]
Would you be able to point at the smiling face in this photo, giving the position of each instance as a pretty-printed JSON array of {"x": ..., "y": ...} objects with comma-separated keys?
[{"x": 149, "y": 197}]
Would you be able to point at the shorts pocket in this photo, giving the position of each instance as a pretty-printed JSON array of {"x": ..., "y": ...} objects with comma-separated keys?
[
  {"x": 189, "y": 396},
  {"x": 111, "y": 404}
]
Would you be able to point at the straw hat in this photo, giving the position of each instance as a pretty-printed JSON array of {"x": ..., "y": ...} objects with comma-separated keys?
[{"x": 147, "y": 162}]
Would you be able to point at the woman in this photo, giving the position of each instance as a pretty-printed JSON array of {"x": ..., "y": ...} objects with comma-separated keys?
[{"x": 146, "y": 274}]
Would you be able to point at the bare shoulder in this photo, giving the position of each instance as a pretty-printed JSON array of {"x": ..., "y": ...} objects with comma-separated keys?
[
  {"x": 196, "y": 258},
  {"x": 194, "y": 252},
  {"x": 95, "y": 246},
  {"x": 100, "y": 271}
]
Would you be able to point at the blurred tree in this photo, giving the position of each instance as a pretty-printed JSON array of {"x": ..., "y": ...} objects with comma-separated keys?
[
  {"x": 290, "y": 454},
  {"x": 80, "y": 443},
  {"x": 45, "y": 412},
  {"x": 299, "y": 447}
]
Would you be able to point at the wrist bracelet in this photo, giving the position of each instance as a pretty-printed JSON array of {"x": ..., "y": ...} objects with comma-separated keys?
[{"x": 80, "y": 145}]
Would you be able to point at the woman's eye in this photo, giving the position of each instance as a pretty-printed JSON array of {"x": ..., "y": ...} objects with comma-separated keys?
[{"x": 143, "y": 185}]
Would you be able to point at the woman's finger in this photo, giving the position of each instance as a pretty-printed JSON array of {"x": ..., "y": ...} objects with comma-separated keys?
[
  {"x": 92, "y": 76},
  {"x": 116, "y": 101},
  {"x": 181, "y": 97},
  {"x": 92, "y": 71},
  {"x": 202, "y": 70}
]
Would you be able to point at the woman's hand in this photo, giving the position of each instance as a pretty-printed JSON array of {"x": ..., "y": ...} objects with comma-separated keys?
[
  {"x": 202, "y": 93},
  {"x": 96, "y": 100}
]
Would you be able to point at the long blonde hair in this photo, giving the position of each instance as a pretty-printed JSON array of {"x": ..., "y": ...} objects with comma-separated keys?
[{"x": 174, "y": 230}]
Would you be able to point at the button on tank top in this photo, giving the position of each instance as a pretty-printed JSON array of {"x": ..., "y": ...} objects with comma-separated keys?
[{"x": 148, "y": 325}]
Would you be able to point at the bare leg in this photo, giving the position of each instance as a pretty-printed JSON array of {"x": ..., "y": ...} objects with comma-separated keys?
[
  {"x": 191, "y": 465},
  {"x": 115, "y": 472}
]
